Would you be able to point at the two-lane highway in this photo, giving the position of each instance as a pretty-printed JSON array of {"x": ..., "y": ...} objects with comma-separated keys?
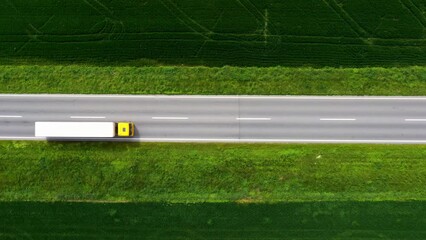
[{"x": 228, "y": 118}]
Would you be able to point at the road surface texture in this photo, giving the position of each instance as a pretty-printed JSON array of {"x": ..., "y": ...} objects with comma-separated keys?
[{"x": 227, "y": 118}]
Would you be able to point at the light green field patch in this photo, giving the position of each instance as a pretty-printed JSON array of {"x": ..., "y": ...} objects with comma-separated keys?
[
  {"x": 244, "y": 173},
  {"x": 74, "y": 79}
]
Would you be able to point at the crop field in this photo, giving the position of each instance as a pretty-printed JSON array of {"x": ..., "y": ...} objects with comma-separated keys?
[
  {"x": 316, "y": 221},
  {"x": 216, "y": 32}
]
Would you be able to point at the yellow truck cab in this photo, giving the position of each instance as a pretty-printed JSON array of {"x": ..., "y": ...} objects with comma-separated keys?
[{"x": 125, "y": 129}]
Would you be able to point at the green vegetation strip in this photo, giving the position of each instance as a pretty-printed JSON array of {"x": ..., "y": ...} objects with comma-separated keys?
[
  {"x": 212, "y": 81},
  {"x": 218, "y": 32},
  {"x": 149, "y": 172},
  {"x": 298, "y": 221}
]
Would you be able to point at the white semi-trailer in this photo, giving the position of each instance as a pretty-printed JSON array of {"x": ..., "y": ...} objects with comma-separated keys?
[{"x": 83, "y": 129}]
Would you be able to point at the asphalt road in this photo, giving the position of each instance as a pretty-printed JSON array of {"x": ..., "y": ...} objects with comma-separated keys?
[{"x": 228, "y": 118}]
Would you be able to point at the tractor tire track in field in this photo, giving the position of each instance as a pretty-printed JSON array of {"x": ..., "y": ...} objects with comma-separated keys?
[
  {"x": 100, "y": 8},
  {"x": 207, "y": 33},
  {"x": 420, "y": 5},
  {"x": 345, "y": 16},
  {"x": 219, "y": 18},
  {"x": 30, "y": 39},
  {"x": 260, "y": 16},
  {"x": 191, "y": 24},
  {"x": 116, "y": 27},
  {"x": 186, "y": 20},
  {"x": 112, "y": 30},
  {"x": 34, "y": 33},
  {"x": 266, "y": 29},
  {"x": 415, "y": 11}
]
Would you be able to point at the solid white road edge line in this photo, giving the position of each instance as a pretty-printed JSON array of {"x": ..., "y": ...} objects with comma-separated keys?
[
  {"x": 6, "y": 116},
  {"x": 21, "y": 138},
  {"x": 86, "y": 117},
  {"x": 226, "y": 140},
  {"x": 253, "y": 119},
  {"x": 219, "y": 96},
  {"x": 278, "y": 140},
  {"x": 337, "y": 119},
  {"x": 170, "y": 118},
  {"x": 415, "y": 120}
]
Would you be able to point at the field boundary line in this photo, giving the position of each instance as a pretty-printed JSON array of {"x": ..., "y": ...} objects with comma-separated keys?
[
  {"x": 239, "y": 38},
  {"x": 291, "y": 39}
]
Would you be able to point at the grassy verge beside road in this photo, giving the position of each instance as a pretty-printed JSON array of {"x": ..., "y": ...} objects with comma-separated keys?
[
  {"x": 150, "y": 172},
  {"x": 82, "y": 79}
]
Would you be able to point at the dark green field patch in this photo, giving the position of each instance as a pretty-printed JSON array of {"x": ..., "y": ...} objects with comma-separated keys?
[
  {"x": 217, "y": 32},
  {"x": 327, "y": 220}
]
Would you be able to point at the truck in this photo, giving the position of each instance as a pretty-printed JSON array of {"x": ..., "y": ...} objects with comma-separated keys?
[{"x": 84, "y": 129}]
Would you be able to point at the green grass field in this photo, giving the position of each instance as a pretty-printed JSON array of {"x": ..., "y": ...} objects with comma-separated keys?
[
  {"x": 298, "y": 221},
  {"x": 153, "y": 172},
  {"x": 409, "y": 81},
  {"x": 217, "y": 32},
  {"x": 212, "y": 191}
]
